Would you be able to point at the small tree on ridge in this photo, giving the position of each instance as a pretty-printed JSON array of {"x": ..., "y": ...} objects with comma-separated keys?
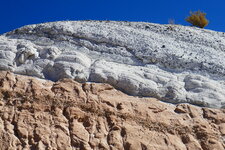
[{"x": 198, "y": 19}]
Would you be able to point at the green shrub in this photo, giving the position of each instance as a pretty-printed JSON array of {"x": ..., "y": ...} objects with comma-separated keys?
[{"x": 198, "y": 19}]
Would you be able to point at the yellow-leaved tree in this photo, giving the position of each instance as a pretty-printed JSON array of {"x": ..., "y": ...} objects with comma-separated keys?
[{"x": 198, "y": 19}]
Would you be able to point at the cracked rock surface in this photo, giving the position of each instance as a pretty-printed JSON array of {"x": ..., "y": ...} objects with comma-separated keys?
[
  {"x": 170, "y": 62},
  {"x": 67, "y": 115}
]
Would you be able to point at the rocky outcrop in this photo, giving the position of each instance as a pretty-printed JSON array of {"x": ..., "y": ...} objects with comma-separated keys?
[
  {"x": 41, "y": 114},
  {"x": 170, "y": 62}
]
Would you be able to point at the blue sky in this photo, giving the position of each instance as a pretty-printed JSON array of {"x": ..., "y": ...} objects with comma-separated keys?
[{"x": 17, "y": 13}]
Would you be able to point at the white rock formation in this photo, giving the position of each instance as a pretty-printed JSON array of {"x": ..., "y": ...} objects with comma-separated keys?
[{"x": 170, "y": 62}]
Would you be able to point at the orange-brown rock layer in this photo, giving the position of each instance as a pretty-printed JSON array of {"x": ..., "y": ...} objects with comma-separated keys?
[{"x": 66, "y": 115}]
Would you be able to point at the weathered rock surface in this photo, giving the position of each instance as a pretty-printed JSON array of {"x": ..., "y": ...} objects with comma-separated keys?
[
  {"x": 67, "y": 115},
  {"x": 170, "y": 62}
]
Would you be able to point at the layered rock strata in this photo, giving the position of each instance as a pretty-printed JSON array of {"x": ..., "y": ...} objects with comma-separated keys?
[{"x": 170, "y": 62}]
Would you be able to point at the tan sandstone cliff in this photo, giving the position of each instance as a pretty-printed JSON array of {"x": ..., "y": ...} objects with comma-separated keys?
[{"x": 66, "y": 115}]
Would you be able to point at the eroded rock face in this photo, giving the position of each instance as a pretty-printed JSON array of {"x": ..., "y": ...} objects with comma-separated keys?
[
  {"x": 41, "y": 114},
  {"x": 170, "y": 62}
]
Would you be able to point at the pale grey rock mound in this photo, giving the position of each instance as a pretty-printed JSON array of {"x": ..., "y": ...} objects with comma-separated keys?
[{"x": 170, "y": 62}]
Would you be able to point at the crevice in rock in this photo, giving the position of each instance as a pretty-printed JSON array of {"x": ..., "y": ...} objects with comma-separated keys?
[
  {"x": 143, "y": 147},
  {"x": 31, "y": 140},
  {"x": 127, "y": 146},
  {"x": 16, "y": 132},
  {"x": 30, "y": 88},
  {"x": 64, "y": 113},
  {"x": 15, "y": 84},
  {"x": 123, "y": 134},
  {"x": 204, "y": 146},
  {"x": 207, "y": 116},
  {"x": 108, "y": 103},
  {"x": 6, "y": 95}
]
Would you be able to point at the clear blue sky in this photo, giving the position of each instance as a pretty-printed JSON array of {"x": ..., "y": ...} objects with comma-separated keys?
[{"x": 17, "y": 13}]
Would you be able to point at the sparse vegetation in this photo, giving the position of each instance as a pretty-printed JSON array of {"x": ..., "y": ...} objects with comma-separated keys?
[
  {"x": 198, "y": 19},
  {"x": 171, "y": 21}
]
